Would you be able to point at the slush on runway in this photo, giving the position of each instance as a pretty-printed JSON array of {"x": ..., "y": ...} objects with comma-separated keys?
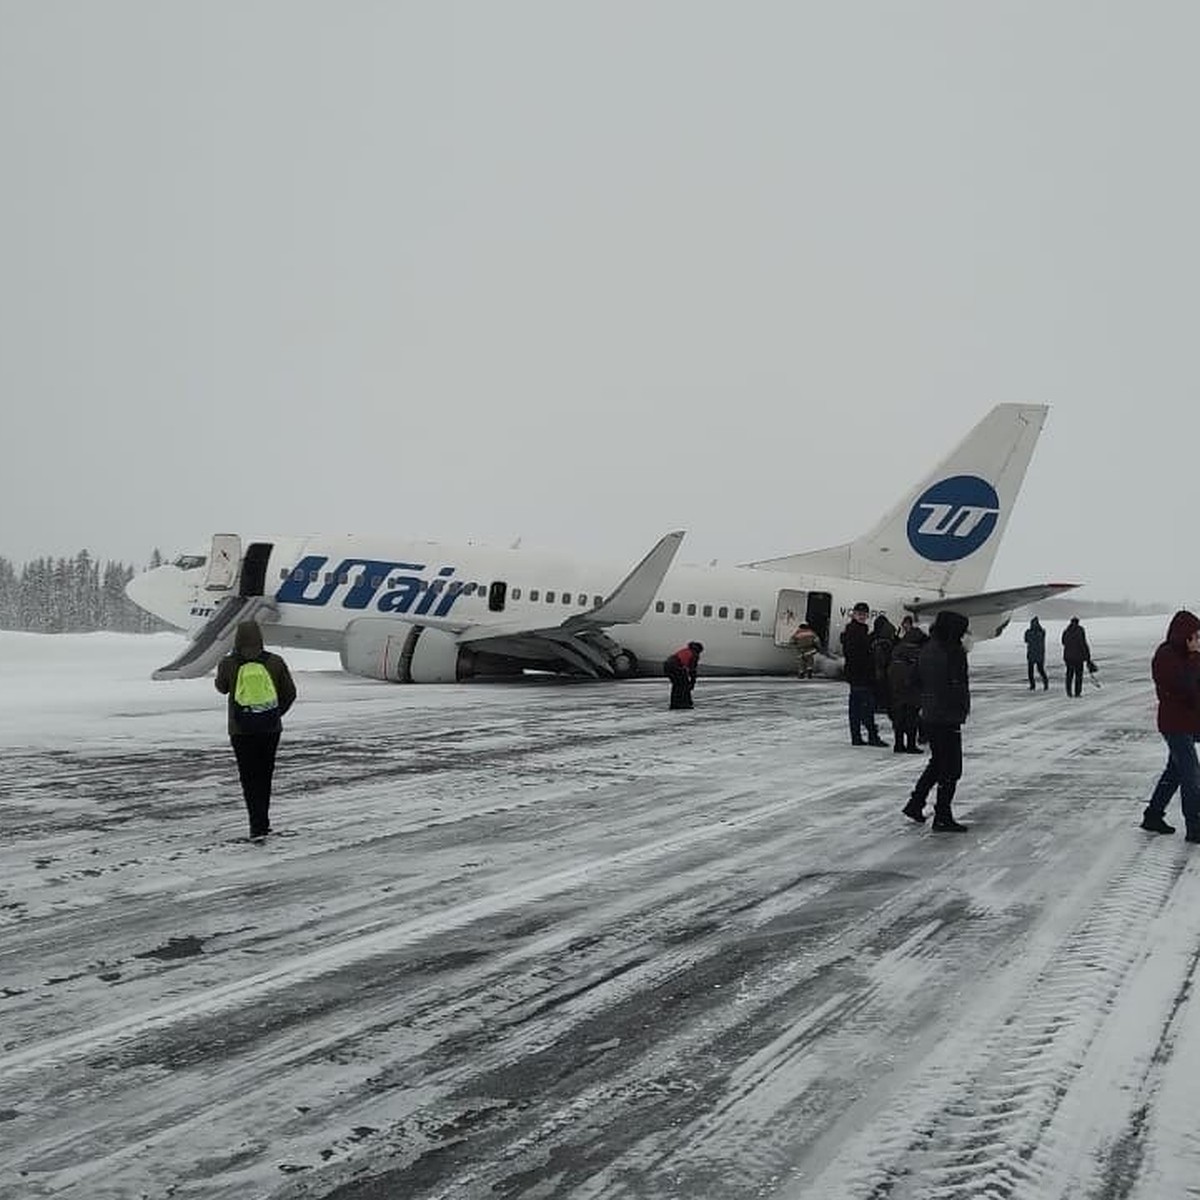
[{"x": 556, "y": 940}]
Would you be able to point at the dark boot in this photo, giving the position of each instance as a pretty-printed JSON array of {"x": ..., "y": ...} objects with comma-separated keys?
[
  {"x": 1153, "y": 823},
  {"x": 914, "y": 810},
  {"x": 876, "y": 740},
  {"x": 947, "y": 824}
]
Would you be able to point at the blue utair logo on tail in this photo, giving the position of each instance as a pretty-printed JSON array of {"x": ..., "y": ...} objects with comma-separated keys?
[{"x": 953, "y": 518}]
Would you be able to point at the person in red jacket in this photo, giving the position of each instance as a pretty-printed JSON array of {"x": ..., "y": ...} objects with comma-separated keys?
[
  {"x": 1176, "y": 671},
  {"x": 680, "y": 669}
]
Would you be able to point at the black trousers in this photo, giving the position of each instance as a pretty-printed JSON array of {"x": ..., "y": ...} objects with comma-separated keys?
[
  {"x": 1041, "y": 670},
  {"x": 255, "y": 753},
  {"x": 681, "y": 689},
  {"x": 944, "y": 768},
  {"x": 1074, "y": 678},
  {"x": 904, "y": 725}
]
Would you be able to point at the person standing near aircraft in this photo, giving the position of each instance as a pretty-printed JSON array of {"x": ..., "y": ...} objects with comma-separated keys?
[
  {"x": 1075, "y": 654},
  {"x": 905, "y": 685},
  {"x": 807, "y": 644},
  {"x": 945, "y": 705},
  {"x": 1176, "y": 671},
  {"x": 260, "y": 690},
  {"x": 680, "y": 668},
  {"x": 1035, "y": 652},
  {"x": 859, "y": 670},
  {"x": 883, "y": 642}
]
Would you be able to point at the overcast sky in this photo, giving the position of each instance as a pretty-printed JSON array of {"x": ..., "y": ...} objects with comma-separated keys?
[{"x": 586, "y": 272}]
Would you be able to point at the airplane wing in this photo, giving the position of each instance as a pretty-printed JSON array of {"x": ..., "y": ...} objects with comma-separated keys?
[
  {"x": 988, "y": 612},
  {"x": 579, "y": 641}
]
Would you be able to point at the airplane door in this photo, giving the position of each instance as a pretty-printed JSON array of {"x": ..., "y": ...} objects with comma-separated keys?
[
  {"x": 817, "y": 612},
  {"x": 789, "y": 612},
  {"x": 254, "y": 569},
  {"x": 223, "y": 561}
]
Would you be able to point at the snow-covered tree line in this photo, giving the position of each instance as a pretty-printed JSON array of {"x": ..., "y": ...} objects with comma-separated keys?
[{"x": 72, "y": 595}]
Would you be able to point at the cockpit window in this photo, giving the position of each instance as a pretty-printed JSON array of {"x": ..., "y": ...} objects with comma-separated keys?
[{"x": 189, "y": 562}]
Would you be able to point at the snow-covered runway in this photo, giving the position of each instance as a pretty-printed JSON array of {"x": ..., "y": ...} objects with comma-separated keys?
[{"x": 555, "y": 941}]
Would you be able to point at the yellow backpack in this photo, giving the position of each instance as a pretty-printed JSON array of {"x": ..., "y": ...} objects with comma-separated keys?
[{"x": 255, "y": 700}]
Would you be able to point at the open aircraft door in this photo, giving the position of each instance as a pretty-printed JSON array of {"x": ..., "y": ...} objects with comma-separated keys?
[
  {"x": 789, "y": 612},
  {"x": 792, "y": 607},
  {"x": 224, "y": 559}
]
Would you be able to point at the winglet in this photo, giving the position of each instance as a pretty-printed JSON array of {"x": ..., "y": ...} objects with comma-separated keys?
[{"x": 629, "y": 600}]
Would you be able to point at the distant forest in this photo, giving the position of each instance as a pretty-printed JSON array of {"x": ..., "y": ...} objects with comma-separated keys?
[{"x": 72, "y": 595}]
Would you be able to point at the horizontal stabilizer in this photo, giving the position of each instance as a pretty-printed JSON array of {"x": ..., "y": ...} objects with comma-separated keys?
[
  {"x": 988, "y": 612},
  {"x": 214, "y": 638}
]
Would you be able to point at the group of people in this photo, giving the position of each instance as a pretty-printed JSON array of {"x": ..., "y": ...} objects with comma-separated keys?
[
  {"x": 920, "y": 680},
  {"x": 1076, "y": 654}
]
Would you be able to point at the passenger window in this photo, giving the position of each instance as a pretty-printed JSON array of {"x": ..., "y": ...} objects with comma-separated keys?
[
  {"x": 534, "y": 593},
  {"x": 722, "y": 612},
  {"x": 516, "y": 592},
  {"x": 660, "y": 606},
  {"x": 314, "y": 576},
  {"x": 754, "y": 614},
  {"x": 283, "y": 572},
  {"x": 691, "y": 610},
  {"x": 739, "y": 614},
  {"x": 675, "y": 609},
  {"x": 707, "y": 610},
  {"x": 597, "y": 601},
  {"x": 343, "y": 578},
  {"x": 549, "y": 597},
  {"x": 582, "y": 600},
  {"x": 566, "y": 598}
]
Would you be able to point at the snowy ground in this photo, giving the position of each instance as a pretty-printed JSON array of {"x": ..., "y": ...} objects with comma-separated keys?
[{"x": 554, "y": 941}]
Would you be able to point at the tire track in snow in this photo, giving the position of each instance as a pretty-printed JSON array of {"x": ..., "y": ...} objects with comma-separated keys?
[{"x": 980, "y": 1122}]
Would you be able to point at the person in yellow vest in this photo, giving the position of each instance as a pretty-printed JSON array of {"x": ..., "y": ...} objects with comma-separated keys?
[{"x": 260, "y": 690}]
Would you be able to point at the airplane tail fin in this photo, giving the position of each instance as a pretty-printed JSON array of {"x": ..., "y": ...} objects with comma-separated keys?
[{"x": 944, "y": 534}]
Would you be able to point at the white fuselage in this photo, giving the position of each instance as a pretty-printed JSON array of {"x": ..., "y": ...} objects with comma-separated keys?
[{"x": 743, "y": 616}]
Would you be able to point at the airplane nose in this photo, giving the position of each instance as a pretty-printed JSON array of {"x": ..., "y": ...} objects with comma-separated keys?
[{"x": 158, "y": 592}]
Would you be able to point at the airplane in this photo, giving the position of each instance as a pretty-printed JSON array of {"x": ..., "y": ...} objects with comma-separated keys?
[{"x": 426, "y": 612}]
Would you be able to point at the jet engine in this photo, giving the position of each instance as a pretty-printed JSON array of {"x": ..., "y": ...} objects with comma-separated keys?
[{"x": 403, "y": 653}]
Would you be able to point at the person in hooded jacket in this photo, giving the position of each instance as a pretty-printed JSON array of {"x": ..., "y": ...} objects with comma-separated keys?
[
  {"x": 905, "y": 685},
  {"x": 883, "y": 642},
  {"x": 1035, "y": 652},
  {"x": 680, "y": 668},
  {"x": 255, "y": 735},
  {"x": 945, "y": 705},
  {"x": 1075, "y": 654},
  {"x": 1176, "y": 671}
]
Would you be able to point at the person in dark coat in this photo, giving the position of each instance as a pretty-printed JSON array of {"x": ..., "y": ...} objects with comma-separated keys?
[
  {"x": 905, "y": 685},
  {"x": 945, "y": 704},
  {"x": 1075, "y": 655},
  {"x": 1176, "y": 671},
  {"x": 859, "y": 671},
  {"x": 1035, "y": 652},
  {"x": 254, "y": 732},
  {"x": 680, "y": 668},
  {"x": 883, "y": 642}
]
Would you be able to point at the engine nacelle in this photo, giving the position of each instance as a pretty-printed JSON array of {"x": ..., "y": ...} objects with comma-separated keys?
[{"x": 402, "y": 653}]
